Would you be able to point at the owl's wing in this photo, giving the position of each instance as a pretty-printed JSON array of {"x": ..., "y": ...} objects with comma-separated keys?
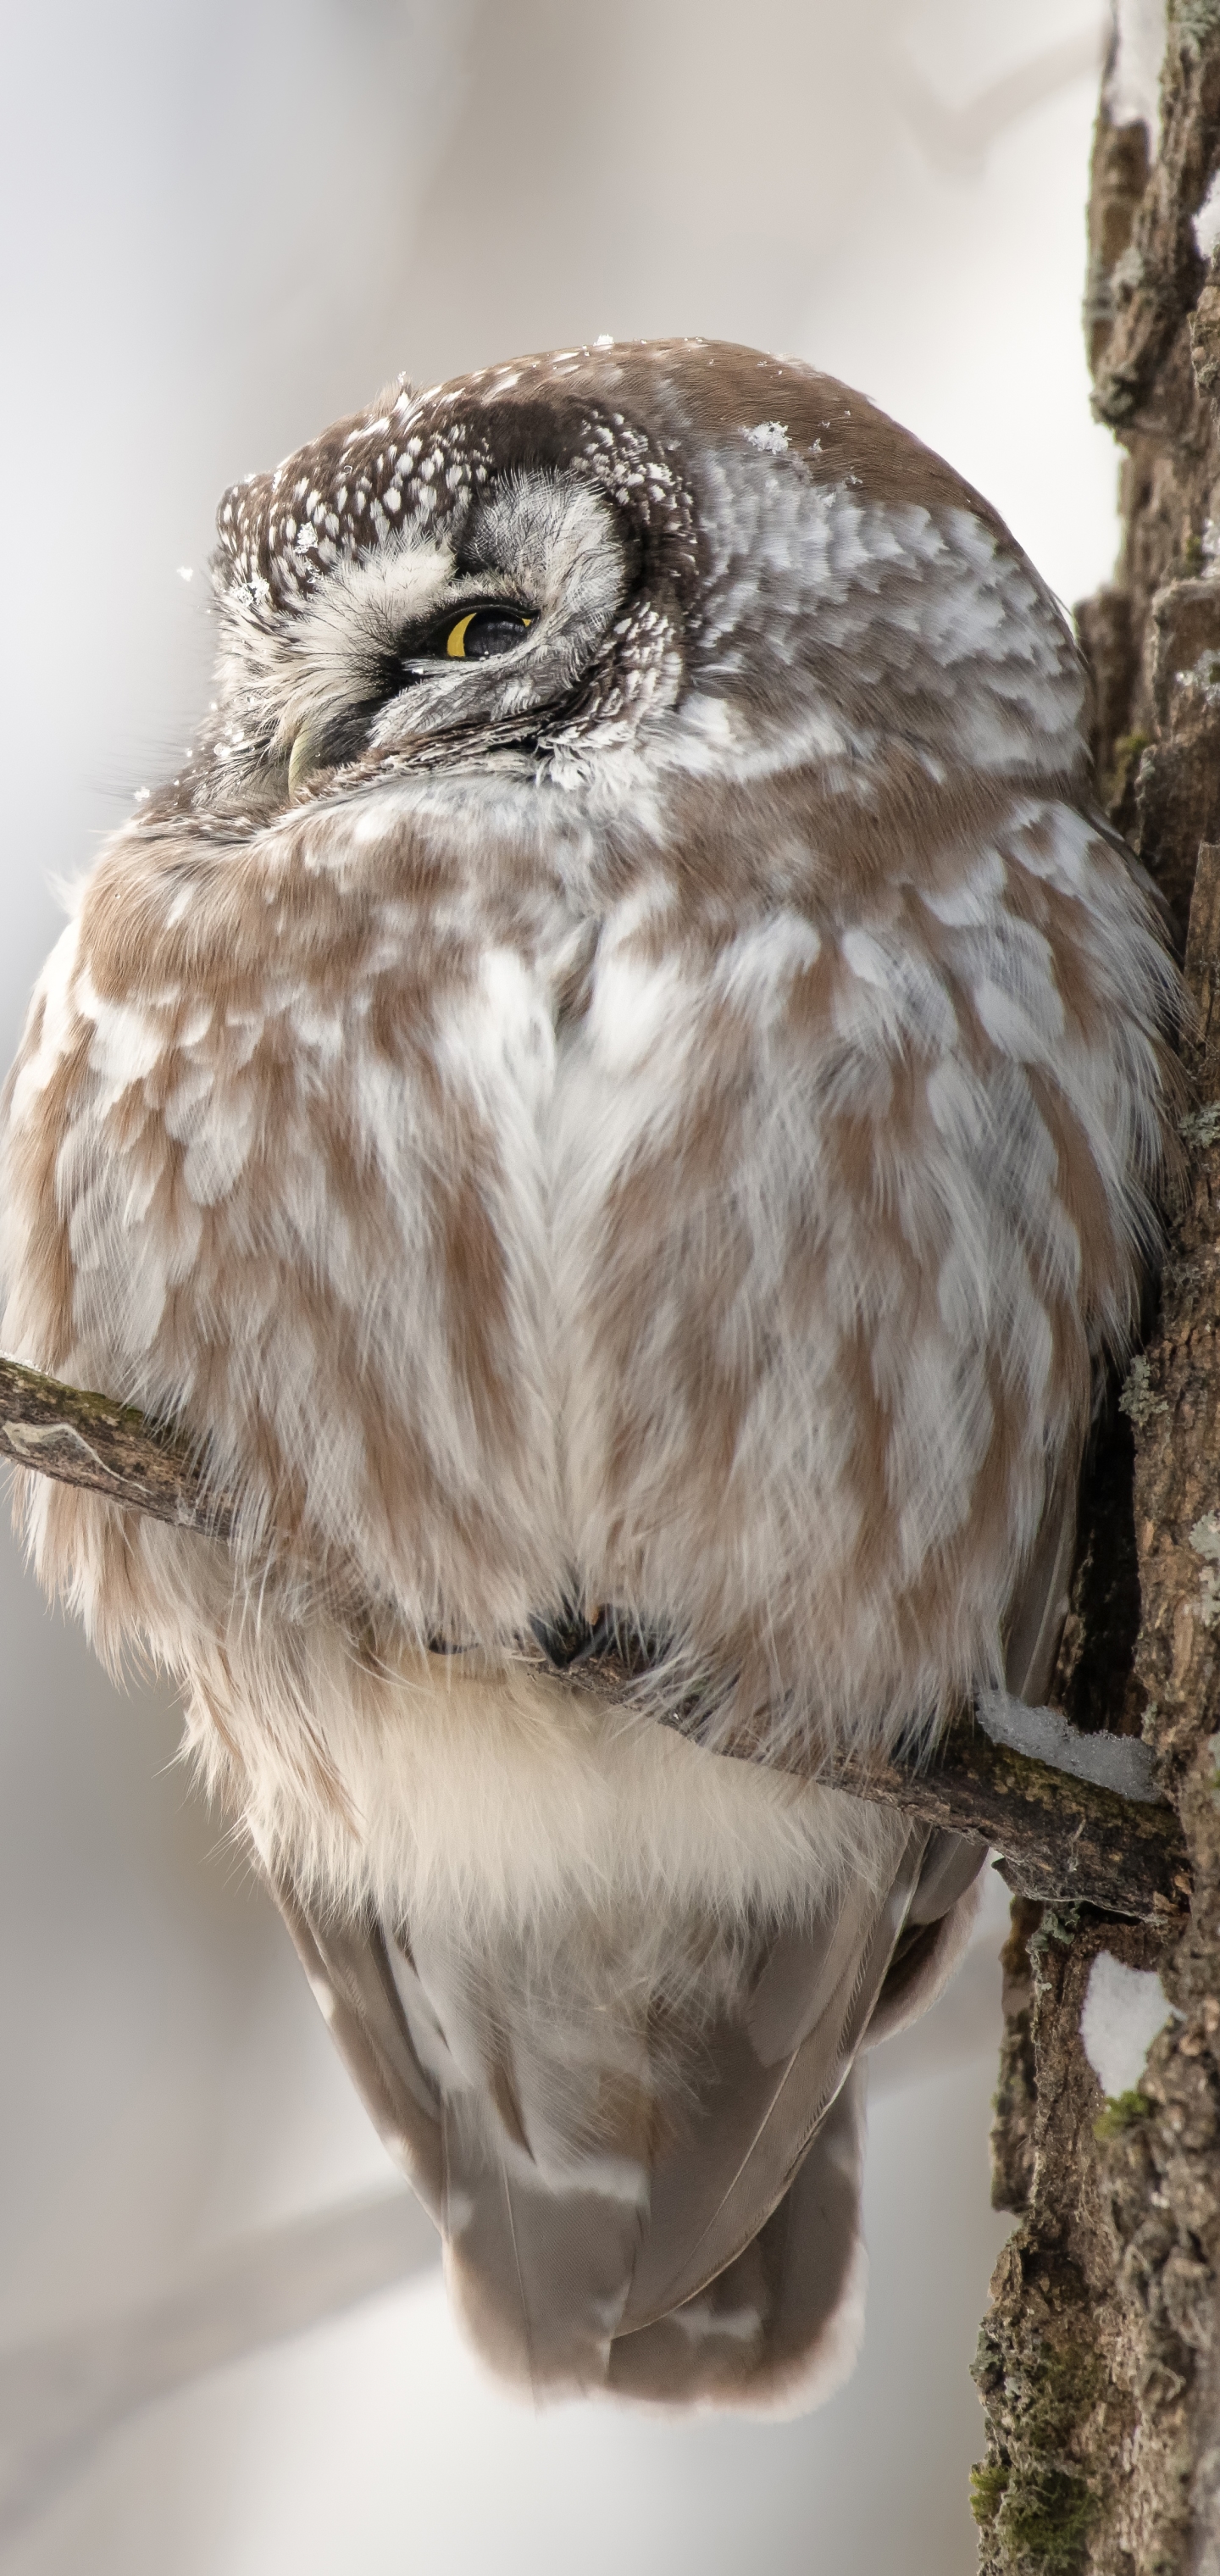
[
  {"x": 943, "y": 1906},
  {"x": 660, "y": 2199},
  {"x": 942, "y": 1909},
  {"x": 1040, "y": 1606}
]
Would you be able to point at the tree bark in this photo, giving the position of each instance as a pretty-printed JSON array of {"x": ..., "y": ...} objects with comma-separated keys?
[{"x": 1099, "y": 2360}]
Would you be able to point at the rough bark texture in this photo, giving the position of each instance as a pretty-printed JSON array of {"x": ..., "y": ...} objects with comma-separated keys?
[{"x": 1099, "y": 2361}]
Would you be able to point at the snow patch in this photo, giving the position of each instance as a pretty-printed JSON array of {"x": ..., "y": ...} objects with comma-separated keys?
[
  {"x": 1124, "y": 2008},
  {"x": 1132, "y": 92},
  {"x": 1207, "y": 221},
  {"x": 1117, "y": 1762},
  {"x": 769, "y": 435}
]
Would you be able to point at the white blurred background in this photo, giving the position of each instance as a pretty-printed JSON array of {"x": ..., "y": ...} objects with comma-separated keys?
[{"x": 223, "y": 225}]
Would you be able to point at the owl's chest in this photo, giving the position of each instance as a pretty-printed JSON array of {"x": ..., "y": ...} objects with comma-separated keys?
[
  {"x": 478, "y": 1094},
  {"x": 456, "y": 1151}
]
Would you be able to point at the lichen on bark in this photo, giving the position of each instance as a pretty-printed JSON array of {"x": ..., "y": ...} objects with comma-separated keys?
[{"x": 1099, "y": 2360}]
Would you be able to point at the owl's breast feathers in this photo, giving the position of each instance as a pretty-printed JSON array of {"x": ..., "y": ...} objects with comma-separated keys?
[{"x": 705, "y": 1188}]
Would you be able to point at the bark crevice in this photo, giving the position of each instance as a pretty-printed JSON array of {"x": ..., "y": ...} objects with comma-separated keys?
[{"x": 1099, "y": 2359}]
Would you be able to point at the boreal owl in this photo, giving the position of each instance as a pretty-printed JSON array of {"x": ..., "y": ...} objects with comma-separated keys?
[{"x": 617, "y": 1101}]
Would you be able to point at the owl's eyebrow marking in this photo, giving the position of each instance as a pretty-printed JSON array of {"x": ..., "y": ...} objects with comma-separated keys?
[{"x": 1063, "y": 1839}]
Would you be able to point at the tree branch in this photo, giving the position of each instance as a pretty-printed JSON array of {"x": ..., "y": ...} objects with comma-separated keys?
[
  {"x": 1061, "y": 1838},
  {"x": 111, "y": 1449}
]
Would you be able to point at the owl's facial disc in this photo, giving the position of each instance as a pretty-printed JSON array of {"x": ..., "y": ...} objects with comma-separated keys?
[
  {"x": 451, "y": 645},
  {"x": 483, "y": 632}
]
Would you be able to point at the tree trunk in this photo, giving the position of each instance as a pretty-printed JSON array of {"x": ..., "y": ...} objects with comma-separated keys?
[{"x": 1099, "y": 2360}]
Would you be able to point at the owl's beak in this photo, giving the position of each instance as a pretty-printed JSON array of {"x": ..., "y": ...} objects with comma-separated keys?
[{"x": 304, "y": 758}]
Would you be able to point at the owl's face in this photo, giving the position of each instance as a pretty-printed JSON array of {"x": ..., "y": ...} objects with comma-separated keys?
[{"x": 599, "y": 567}]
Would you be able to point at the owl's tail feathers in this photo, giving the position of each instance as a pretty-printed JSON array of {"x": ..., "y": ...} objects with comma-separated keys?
[
  {"x": 348, "y": 1967},
  {"x": 780, "y": 2328},
  {"x": 654, "y": 2199}
]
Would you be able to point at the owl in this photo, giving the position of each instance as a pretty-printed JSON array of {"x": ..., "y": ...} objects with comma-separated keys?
[{"x": 617, "y": 1103}]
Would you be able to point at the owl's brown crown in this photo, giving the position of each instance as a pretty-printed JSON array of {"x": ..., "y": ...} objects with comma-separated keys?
[{"x": 625, "y": 410}]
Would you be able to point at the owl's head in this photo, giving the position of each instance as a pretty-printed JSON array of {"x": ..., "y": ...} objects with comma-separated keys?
[{"x": 676, "y": 555}]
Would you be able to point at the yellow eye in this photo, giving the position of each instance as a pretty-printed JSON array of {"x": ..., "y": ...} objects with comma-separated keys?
[{"x": 485, "y": 631}]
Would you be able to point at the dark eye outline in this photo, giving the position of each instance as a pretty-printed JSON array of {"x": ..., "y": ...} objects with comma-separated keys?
[{"x": 437, "y": 644}]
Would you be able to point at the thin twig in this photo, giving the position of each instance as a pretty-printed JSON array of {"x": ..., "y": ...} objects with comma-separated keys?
[{"x": 111, "y": 1449}]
